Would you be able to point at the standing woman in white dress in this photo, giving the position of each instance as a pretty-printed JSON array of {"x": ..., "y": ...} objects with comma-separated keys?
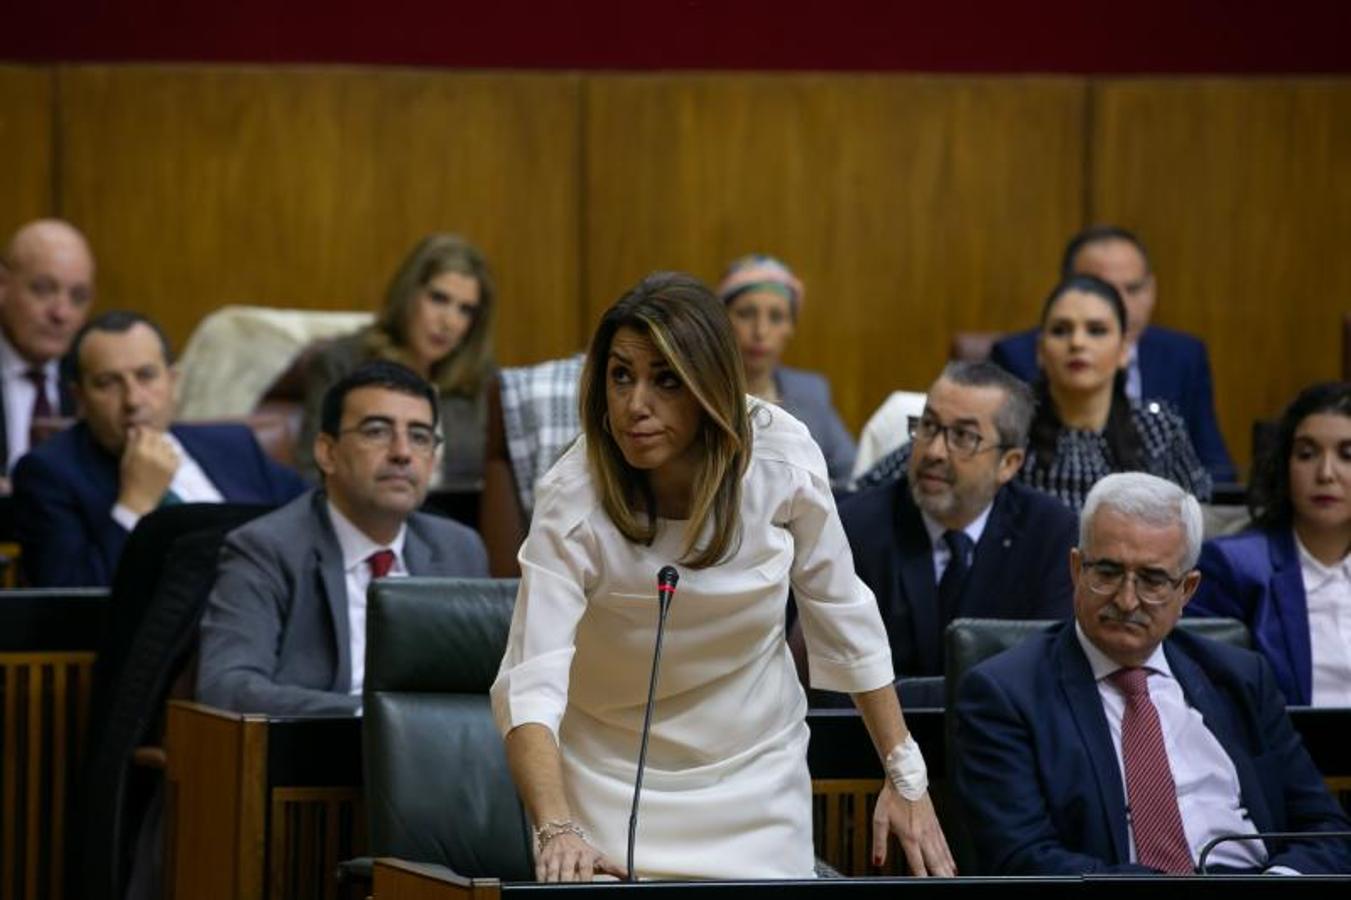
[{"x": 676, "y": 465}]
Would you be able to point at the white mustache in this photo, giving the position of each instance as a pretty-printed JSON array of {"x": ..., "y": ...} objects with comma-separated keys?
[{"x": 1113, "y": 614}]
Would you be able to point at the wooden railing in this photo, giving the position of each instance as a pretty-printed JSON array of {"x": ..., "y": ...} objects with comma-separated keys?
[
  {"x": 46, "y": 706},
  {"x": 260, "y": 807},
  {"x": 47, "y": 641},
  {"x": 267, "y": 808}
]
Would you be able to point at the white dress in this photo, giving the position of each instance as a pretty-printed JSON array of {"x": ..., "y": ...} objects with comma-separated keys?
[{"x": 726, "y": 793}]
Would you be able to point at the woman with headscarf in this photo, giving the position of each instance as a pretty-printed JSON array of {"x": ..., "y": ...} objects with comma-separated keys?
[{"x": 763, "y": 299}]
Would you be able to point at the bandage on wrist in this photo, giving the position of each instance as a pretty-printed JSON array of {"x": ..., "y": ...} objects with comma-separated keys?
[{"x": 905, "y": 767}]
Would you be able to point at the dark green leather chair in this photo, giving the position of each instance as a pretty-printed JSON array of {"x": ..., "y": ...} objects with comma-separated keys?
[
  {"x": 437, "y": 785},
  {"x": 969, "y": 641}
]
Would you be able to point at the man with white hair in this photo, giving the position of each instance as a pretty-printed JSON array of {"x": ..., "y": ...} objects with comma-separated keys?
[{"x": 1115, "y": 744}]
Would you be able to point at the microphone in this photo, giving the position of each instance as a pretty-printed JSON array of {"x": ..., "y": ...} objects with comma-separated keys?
[
  {"x": 666, "y": 585},
  {"x": 1265, "y": 835}
]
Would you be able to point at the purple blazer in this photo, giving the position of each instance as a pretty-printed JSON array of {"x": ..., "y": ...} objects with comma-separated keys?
[{"x": 1255, "y": 577}]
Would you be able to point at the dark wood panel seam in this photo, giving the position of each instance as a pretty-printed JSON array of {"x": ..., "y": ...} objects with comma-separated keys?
[
  {"x": 583, "y": 333},
  {"x": 1091, "y": 93},
  {"x": 55, "y": 136}
]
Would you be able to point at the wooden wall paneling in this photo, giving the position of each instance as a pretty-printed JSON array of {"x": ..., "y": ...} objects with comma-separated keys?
[
  {"x": 1242, "y": 190},
  {"x": 912, "y": 207},
  {"x": 305, "y": 188},
  {"x": 25, "y": 146}
]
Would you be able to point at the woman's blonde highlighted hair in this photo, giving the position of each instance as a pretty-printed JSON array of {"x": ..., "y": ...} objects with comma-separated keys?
[
  {"x": 465, "y": 369},
  {"x": 689, "y": 328}
]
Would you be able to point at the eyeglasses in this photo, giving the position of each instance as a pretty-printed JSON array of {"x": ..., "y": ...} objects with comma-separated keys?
[
  {"x": 1153, "y": 587},
  {"x": 379, "y": 435},
  {"x": 959, "y": 438}
]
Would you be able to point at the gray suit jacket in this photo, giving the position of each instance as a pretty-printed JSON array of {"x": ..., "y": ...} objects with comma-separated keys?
[
  {"x": 807, "y": 396},
  {"x": 275, "y": 637}
]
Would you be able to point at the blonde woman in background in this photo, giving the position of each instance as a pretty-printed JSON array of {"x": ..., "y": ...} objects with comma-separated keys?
[{"x": 437, "y": 320}]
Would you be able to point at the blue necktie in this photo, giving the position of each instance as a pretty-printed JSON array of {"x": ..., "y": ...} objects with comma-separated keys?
[{"x": 954, "y": 576}]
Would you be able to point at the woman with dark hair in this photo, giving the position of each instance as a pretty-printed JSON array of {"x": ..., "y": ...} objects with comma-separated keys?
[
  {"x": 1085, "y": 426},
  {"x": 677, "y": 466},
  {"x": 1289, "y": 577},
  {"x": 437, "y": 320},
  {"x": 763, "y": 298}
]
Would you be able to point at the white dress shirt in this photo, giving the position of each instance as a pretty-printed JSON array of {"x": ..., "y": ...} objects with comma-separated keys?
[
  {"x": 1208, "y": 793},
  {"x": 942, "y": 555},
  {"x": 356, "y": 549},
  {"x": 1327, "y": 590},
  {"x": 19, "y": 394},
  {"x": 190, "y": 484},
  {"x": 1135, "y": 382}
]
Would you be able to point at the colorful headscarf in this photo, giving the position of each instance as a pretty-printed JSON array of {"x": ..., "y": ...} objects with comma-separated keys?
[{"x": 759, "y": 271}]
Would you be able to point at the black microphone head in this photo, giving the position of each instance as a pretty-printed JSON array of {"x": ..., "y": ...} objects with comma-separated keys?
[{"x": 667, "y": 578}]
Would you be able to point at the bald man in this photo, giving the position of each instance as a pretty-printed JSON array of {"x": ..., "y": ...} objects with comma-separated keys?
[{"x": 46, "y": 289}]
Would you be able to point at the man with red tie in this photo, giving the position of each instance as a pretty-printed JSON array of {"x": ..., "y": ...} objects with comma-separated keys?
[
  {"x": 46, "y": 290},
  {"x": 1111, "y": 743},
  {"x": 284, "y": 632}
]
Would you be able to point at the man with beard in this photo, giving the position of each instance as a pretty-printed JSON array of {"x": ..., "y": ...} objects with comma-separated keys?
[
  {"x": 955, "y": 535},
  {"x": 284, "y": 632}
]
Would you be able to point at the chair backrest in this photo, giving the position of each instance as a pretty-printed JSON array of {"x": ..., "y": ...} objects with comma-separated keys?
[
  {"x": 887, "y": 428},
  {"x": 162, "y": 585},
  {"x": 501, "y": 520},
  {"x": 969, "y": 641},
  {"x": 142, "y": 565},
  {"x": 239, "y": 353},
  {"x": 437, "y": 785}
]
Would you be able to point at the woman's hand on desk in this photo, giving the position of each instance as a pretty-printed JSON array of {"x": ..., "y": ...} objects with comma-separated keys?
[
  {"x": 916, "y": 827},
  {"x": 568, "y": 857}
]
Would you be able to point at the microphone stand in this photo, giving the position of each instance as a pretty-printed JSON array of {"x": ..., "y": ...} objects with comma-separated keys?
[
  {"x": 666, "y": 583},
  {"x": 1203, "y": 856}
]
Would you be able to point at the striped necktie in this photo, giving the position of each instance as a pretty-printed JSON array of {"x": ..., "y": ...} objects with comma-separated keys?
[{"x": 1156, "y": 822}]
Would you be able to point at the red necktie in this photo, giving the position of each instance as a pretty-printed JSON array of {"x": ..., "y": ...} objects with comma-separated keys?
[
  {"x": 41, "y": 408},
  {"x": 381, "y": 561},
  {"x": 1160, "y": 842}
]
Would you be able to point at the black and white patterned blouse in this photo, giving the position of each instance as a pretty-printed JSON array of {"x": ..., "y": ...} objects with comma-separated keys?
[{"x": 1082, "y": 457}]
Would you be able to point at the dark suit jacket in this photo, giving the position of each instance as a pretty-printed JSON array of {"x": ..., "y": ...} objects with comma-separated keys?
[
  {"x": 67, "y": 408},
  {"x": 64, "y": 492},
  {"x": 1038, "y": 777},
  {"x": 275, "y": 635},
  {"x": 1255, "y": 577},
  {"x": 1173, "y": 367},
  {"x": 1020, "y": 569},
  {"x": 806, "y": 395}
]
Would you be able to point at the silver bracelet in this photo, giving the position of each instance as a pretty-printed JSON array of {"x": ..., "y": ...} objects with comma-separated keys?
[
  {"x": 906, "y": 769},
  {"x": 550, "y": 830}
]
